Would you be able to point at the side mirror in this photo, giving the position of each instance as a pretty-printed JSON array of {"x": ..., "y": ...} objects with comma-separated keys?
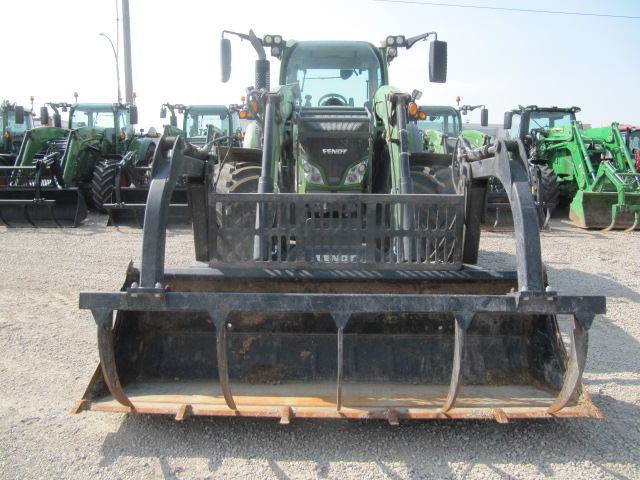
[
  {"x": 484, "y": 117},
  {"x": 44, "y": 115},
  {"x": 507, "y": 120},
  {"x": 19, "y": 115},
  {"x": 57, "y": 120},
  {"x": 163, "y": 112},
  {"x": 173, "y": 120},
  {"x": 225, "y": 59},
  {"x": 438, "y": 62},
  {"x": 133, "y": 115}
]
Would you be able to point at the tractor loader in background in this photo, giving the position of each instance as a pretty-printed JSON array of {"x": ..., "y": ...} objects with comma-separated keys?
[
  {"x": 441, "y": 129},
  {"x": 203, "y": 127},
  {"x": 54, "y": 176},
  {"x": 589, "y": 169},
  {"x": 332, "y": 278}
]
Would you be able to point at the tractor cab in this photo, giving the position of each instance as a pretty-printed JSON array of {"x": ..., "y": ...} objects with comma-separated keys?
[
  {"x": 201, "y": 124},
  {"x": 14, "y": 122},
  {"x": 519, "y": 123}
]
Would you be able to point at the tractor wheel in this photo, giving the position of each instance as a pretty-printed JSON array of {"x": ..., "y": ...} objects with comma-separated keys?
[
  {"x": 104, "y": 179},
  {"x": 236, "y": 177},
  {"x": 429, "y": 217},
  {"x": 547, "y": 184}
]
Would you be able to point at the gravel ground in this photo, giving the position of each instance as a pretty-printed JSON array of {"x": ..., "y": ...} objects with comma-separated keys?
[{"x": 48, "y": 353}]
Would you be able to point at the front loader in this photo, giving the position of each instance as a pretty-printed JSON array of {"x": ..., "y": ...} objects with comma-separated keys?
[
  {"x": 332, "y": 278},
  {"x": 590, "y": 168}
]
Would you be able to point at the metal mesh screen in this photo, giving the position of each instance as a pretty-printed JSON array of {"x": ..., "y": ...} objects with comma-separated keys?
[{"x": 413, "y": 232}]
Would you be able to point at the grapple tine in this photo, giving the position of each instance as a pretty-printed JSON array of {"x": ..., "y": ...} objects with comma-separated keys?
[
  {"x": 547, "y": 219},
  {"x": 340, "y": 368},
  {"x": 613, "y": 221},
  {"x": 341, "y": 320},
  {"x": 577, "y": 360},
  {"x": 636, "y": 217},
  {"x": 219, "y": 318},
  {"x": 463, "y": 320},
  {"x": 106, "y": 351}
]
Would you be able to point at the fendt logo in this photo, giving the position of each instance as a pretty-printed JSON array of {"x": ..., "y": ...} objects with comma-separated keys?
[{"x": 334, "y": 151}]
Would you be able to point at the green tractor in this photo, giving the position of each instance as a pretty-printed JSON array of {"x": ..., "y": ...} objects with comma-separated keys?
[
  {"x": 121, "y": 186},
  {"x": 54, "y": 171},
  {"x": 201, "y": 124},
  {"x": 334, "y": 266},
  {"x": 591, "y": 168},
  {"x": 441, "y": 126},
  {"x": 14, "y": 122},
  {"x": 631, "y": 136}
]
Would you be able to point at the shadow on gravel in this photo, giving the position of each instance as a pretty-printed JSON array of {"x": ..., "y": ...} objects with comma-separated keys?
[{"x": 262, "y": 448}]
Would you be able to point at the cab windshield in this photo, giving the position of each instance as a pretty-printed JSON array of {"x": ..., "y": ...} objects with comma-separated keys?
[
  {"x": 334, "y": 73},
  {"x": 197, "y": 123},
  {"x": 101, "y": 117},
  {"x": 550, "y": 119},
  {"x": 444, "y": 120},
  {"x": 12, "y": 125}
]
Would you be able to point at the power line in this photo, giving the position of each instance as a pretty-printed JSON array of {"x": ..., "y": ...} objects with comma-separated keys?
[{"x": 509, "y": 9}]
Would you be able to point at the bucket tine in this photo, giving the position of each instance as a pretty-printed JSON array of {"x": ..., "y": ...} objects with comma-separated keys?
[
  {"x": 613, "y": 220},
  {"x": 219, "y": 318},
  {"x": 636, "y": 216},
  {"x": 104, "y": 320},
  {"x": 547, "y": 219},
  {"x": 341, "y": 321},
  {"x": 577, "y": 360},
  {"x": 463, "y": 320}
]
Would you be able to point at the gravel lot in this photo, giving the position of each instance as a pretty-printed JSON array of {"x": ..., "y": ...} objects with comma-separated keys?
[{"x": 49, "y": 353}]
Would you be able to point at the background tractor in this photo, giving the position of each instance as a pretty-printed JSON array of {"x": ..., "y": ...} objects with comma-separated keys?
[
  {"x": 631, "y": 136},
  {"x": 54, "y": 170},
  {"x": 201, "y": 124},
  {"x": 334, "y": 273},
  {"x": 591, "y": 168},
  {"x": 14, "y": 122},
  {"x": 123, "y": 185}
]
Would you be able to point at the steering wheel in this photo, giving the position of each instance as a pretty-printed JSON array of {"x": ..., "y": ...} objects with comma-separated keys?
[{"x": 332, "y": 99}]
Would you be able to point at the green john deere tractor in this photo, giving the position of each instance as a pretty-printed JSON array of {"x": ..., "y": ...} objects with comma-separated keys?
[
  {"x": 14, "y": 122},
  {"x": 54, "y": 170},
  {"x": 590, "y": 168},
  {"x": 334, "y": 266}
]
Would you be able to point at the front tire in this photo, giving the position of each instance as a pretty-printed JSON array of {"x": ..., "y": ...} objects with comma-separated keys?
[
  {"x": 103, "y": 183},
  {"x": 238, "y": 218}
]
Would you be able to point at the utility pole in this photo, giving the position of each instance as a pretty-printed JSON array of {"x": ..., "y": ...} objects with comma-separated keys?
[{"x": 126, "y": 36}]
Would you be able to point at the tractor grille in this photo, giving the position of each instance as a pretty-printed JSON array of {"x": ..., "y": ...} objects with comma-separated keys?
[
  {"x": 411, "y": 232},
  {"x": 334, "y": 138}
]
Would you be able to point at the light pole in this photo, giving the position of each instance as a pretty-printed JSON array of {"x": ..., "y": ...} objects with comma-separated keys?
[{"x": 115, "y": 54}]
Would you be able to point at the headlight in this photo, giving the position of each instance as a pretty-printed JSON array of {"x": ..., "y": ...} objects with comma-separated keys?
[
  {"x": 356, "y": 174},
  {"x": 312, "y": 174}
]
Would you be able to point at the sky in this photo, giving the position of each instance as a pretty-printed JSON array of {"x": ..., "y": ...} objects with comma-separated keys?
[{"x": 497, "y": 58}]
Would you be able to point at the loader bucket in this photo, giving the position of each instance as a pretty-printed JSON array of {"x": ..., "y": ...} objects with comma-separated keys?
[
  {"x": 603, "y": 210},
  {"x": 381, "y": 361},
  {"x": 129, "y": 211},
  {"x": 56, "y": 207},
  {"x": 496, "y": 216}
]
